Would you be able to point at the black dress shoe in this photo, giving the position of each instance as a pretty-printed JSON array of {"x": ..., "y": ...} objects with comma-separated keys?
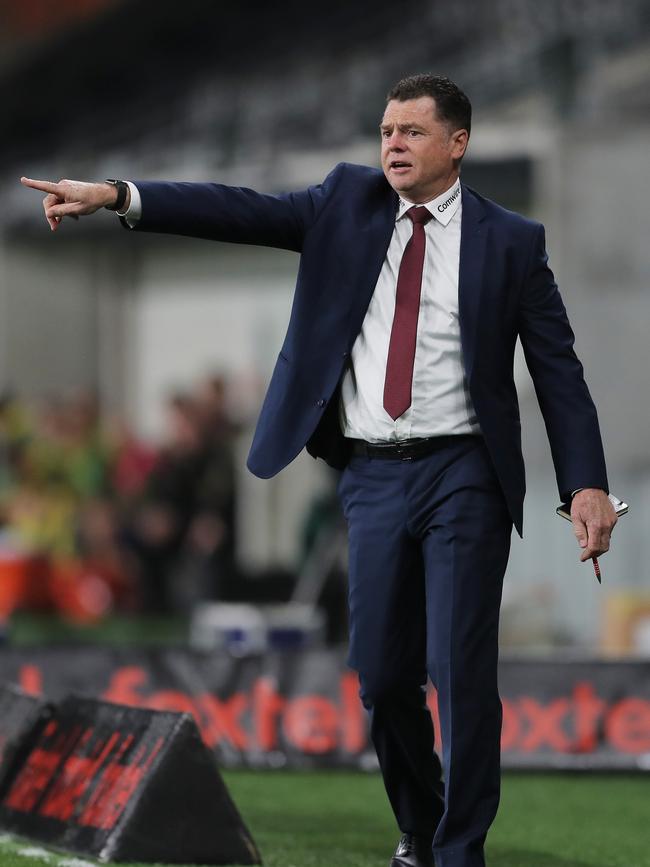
[{"x": 412, "y": 852}]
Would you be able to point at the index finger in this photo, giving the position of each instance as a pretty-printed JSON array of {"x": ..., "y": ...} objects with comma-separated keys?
[{"x": 44, "y": 186}]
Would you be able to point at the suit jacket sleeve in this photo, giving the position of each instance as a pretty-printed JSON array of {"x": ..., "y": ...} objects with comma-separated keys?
[
  {"x": 233, "y": 214},
  {"x": 568, "y": 410}
]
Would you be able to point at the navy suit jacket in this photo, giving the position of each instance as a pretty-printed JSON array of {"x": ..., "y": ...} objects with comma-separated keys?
[{"x": 342, "y": 229}]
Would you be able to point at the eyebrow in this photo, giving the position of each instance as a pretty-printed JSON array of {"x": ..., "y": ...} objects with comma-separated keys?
[{"x": 403, "y": 126}]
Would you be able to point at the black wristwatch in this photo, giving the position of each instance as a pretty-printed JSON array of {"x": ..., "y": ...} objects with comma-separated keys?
[{"x": 122, "y": 190}]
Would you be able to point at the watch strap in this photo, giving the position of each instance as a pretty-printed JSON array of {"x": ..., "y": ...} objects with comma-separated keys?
[{"x": 122, "y": 190}]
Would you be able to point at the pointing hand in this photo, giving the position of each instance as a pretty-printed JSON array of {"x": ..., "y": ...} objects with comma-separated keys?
[{"x": 71, "y": 198}]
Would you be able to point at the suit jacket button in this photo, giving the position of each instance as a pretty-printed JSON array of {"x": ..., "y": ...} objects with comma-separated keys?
[{"x": 321, "y": 403}]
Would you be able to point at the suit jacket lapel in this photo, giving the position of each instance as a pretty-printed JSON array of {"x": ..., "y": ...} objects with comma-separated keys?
[
  {"x": 473, "y": 237},
  {"x": 373, "y": 241}
]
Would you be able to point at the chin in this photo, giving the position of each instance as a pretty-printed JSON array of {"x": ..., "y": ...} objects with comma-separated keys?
[{"x": 400, "y": 187}]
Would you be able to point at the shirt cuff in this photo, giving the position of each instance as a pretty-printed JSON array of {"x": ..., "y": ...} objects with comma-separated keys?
[{"x": 133, "y": 213}]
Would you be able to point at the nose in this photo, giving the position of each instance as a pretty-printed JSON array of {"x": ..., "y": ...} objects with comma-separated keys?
[{"x": 395, "y": 142}]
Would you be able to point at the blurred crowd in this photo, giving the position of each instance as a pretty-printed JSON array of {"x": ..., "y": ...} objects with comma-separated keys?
[{"x": 94, "y": 520}]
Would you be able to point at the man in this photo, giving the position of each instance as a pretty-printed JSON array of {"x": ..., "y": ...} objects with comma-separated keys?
[{"x": 397, "y": 368}]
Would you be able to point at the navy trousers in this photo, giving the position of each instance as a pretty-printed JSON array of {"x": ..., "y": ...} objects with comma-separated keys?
[{"x": 429, "y": 542}]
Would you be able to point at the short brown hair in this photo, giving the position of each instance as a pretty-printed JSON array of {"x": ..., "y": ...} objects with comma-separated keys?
[{"x": 452, "y": 105}]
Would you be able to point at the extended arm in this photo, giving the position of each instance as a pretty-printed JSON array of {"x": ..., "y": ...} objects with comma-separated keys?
[
  {"x": 233, "y": 214},
  {"x": 198, "y": 210},
  {"x": 568, "y": 410}
]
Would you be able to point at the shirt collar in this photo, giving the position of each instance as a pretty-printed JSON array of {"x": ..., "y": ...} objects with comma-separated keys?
[{"x": 443, "y": 207}]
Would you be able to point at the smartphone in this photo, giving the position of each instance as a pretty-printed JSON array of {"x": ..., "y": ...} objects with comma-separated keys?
[{"x": 564, "y": 509}]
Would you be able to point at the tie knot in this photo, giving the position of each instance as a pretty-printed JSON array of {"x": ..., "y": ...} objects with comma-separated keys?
[{"x": 419, "y": 215}]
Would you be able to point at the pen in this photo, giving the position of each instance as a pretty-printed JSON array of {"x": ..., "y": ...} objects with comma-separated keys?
[{"x": 594, "y": 560}]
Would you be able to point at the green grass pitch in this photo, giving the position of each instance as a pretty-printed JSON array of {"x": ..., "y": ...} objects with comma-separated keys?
[{"x": 335, "y": 819}]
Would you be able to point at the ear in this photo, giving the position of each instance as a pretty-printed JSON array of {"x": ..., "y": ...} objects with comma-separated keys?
[{"x": 459, "y": 142}]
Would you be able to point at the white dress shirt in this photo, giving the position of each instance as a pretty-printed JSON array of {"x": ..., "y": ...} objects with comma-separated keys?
[{"x": 440, "y": 401}]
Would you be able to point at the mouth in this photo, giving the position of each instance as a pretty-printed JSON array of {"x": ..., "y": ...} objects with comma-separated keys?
[{"x": 399, "y": 167}]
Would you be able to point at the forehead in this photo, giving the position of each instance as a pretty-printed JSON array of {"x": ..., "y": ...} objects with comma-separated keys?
[{"x": 420, "y": 111}]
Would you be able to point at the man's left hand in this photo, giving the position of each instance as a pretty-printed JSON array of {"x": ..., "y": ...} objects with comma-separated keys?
[{"x": 593, "y": 518}]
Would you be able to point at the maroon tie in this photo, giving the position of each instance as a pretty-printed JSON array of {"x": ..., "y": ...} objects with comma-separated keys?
[{"x": 401, "y": 350}]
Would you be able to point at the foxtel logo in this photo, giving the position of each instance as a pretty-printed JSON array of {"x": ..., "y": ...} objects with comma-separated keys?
[
  {"x": 263, "y": 719},
  {"x": 576, "y": 724}
]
